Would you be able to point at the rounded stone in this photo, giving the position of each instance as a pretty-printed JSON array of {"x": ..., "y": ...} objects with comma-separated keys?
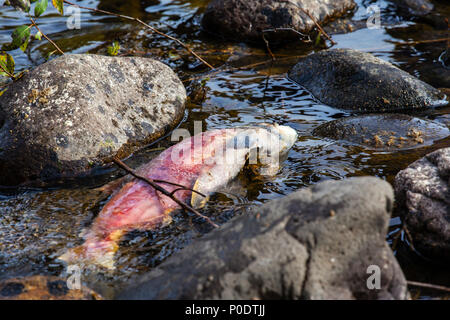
[
  {"x": 386, "y": 132},
  {"x": 78, "y": 111},
  {"x": 353, "y": 80}
]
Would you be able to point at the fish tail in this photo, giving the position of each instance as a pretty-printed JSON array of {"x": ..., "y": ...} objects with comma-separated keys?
[{"x": 98, "y": 252}]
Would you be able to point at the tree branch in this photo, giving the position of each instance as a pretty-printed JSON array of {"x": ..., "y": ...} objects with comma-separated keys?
[
  {"x": 152, "y": 183},
  {"x": 427, "y": 285},
  {"x": 147, "y": 26},
  {"x": 313, "y": 20},
  {"x": 45, "y": 36}
]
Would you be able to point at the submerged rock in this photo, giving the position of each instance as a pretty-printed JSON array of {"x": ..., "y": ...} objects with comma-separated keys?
[
  {"x": 423, "y": 195},
  {"x": 247, "y": 19},
  {"x": 414, "y": 7},
  {"x": 78, "y": 111},
  {"x": 317, "y": 243},
  {"x": 384, "y": 131},
  {"x": 43, "y": 288},
  {"x": 354, "y": 80}
]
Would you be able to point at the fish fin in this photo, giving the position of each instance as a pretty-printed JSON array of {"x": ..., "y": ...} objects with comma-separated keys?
[
  {"x": 77, "y": 256},
  {"x": 94, "y": 252},
  {"x": 198, "y": 201},
  {"x": 217, "y": 176}
]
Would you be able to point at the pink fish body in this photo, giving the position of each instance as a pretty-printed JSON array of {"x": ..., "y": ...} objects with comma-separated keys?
[{"x": 204, "y": 163}]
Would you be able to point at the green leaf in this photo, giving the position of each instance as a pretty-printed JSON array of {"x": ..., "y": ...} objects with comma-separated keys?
[
  {"x": 318, "y": 38},
  {"x": 59, "y": 5},
  {"x": 38, "y": 36},
  {"x": 48, "y": 55},
  {"x": 7, "y": 65},
  {"x": 40, "y": 7},
  {"x": 24, "y": 45},
  {"x": 22, "y": 5},
  {"x": 20, "y": 36},
  {"x": 114, "y": 49}
]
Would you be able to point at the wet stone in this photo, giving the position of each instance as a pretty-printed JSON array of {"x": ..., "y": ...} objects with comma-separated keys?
[
  {"x": 247, "y": 20},
  {"x": 414, "y": 7},
  {"x": 353, "y": 80},
  {"x": 423, "y": 196},
  {"x": 51, "y": 119},
  {"x": 387, "y": 132},
  {"x": 316, "y": 243}
]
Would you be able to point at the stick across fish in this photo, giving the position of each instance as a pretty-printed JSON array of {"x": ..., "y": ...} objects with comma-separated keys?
[{"x": 204, "y": 163}]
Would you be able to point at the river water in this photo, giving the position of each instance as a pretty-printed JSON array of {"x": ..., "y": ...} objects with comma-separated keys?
[{"x": 246, "y": 87}]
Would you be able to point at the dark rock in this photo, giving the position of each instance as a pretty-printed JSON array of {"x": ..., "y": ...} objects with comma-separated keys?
[
  {"x": 73, "y": 112},
  {"x": 423, "y": 195},
  {"x": 345, "y": 25},
  {"x": 414, "y": 7},
  {"x": 354, "y": 80},
  {"x": 43, "y": 288},
  {"x": 387, "y": 132},
  {"x": 316, "y": 243},
  {"x": 247, "y": 19}
]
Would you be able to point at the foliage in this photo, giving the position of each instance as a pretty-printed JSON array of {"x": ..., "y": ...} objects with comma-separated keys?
[
  {"x": 21, "y": 36},
  {"x": 114, "y": 49}
]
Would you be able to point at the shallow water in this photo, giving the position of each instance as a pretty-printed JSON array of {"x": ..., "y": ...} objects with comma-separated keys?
[{"x": 37, "y": 225}]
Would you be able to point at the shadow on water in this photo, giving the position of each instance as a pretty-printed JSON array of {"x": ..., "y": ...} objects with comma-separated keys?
[{"x": 38, "y": 225}]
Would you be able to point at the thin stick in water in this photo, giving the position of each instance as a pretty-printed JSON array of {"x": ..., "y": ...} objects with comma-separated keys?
[{"x": 163, "y": 191}]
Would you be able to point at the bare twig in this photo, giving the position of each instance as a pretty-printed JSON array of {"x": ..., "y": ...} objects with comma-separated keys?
[
  {"x": 7, "y": 72},
  {"x": 45, "y": 36},
  {"x": 409, "y": 237},
  {"x": 152, "y": 183},
  {"x": 288, "y": 29},
  {"x": 411, "y": 43},
  {"x": 427, "y": 285},
  {"x": 180, "y": 187},
  {"x": 318, "y": 25},
  {"x": 313, "y": 20},
  {"x": 268, "y": 48},
  {"x": 448, "y": 30},
  {"x": 249, "y": 66},
  {"x": 146, "y": 25}
]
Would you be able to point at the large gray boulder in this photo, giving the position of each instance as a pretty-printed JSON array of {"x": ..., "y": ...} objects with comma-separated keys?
[
  {"x": 78, "y": 111},
  {"x": 387, "y": 131},
  {"x": 423, "y": 196},
  {"x": 247, "y": 19},
  {"x": 317, "y": 243},
  {"x": 354, "y": 80}
]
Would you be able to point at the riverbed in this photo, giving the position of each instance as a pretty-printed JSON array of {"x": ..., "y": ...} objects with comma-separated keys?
[{"x": 247, "y": 86}]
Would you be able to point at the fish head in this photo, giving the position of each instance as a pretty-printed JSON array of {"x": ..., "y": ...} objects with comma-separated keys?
[
  {"x": 268, "y": 145},
  {"x": 286, "y": 135}
]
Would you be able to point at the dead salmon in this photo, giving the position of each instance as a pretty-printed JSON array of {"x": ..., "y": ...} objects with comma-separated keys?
[{"x": 204, "y": 163}]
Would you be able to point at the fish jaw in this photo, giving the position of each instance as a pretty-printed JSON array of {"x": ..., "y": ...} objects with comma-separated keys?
[{"x": 288, "y": 137}]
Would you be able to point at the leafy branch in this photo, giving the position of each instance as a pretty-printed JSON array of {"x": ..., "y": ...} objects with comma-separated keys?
[
  {"x": 21, "y": 36},
  {"x": 153, "y": 29}
]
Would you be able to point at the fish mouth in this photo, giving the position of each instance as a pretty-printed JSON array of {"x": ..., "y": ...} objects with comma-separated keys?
[{"x": 288, "y": 136}]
